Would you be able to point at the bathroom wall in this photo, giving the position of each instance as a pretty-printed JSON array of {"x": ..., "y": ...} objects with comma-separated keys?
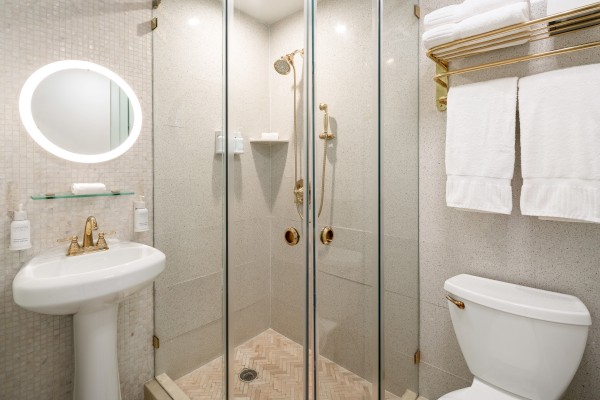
[
  {"x": 347, "y": 270},
  {"x": 562, "y": 257},
  {"x": 36, "y": 351},
  {"x": 188, "y": 83}
]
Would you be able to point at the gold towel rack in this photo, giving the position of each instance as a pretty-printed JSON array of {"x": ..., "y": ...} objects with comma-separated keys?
[{"x": 527, "y": 32}]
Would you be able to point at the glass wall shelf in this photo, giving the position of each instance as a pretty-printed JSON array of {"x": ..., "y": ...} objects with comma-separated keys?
[{"x": 69, "y": 195}]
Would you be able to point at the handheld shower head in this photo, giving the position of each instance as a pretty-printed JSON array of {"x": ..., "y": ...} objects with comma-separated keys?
[{"x": 282, "y": 66}]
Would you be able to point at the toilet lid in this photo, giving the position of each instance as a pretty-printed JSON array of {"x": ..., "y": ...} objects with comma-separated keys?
[{"x": 520, "y": 300}]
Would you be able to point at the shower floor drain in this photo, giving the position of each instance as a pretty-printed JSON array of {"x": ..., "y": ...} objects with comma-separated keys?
[{"x": 248, "y": 375}]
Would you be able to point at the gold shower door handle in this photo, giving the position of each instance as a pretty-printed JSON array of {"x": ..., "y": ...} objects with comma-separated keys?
[
  {"x": 457, "y": 303},
  {"x": 327, "y": 235},
  {"x": 292, "y": 237}
]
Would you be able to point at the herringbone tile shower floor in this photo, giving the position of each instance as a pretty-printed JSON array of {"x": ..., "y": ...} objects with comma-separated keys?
[{"x": 279, "y": 363}]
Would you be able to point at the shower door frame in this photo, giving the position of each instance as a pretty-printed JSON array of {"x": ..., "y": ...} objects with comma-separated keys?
[{"x": 310, "y": 345}]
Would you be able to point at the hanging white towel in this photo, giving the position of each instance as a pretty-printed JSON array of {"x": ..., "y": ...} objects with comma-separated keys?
[
  {"x": 480, "y": 146},
  {"x": 459, "y": 12},
  {"x": 482, "y": 23},
  {"x": 560, "y": 144}
]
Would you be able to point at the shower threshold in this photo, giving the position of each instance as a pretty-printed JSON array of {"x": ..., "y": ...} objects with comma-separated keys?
[{"x": 278, "y": 362}]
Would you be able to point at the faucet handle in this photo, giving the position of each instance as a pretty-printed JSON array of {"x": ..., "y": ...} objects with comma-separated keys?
[
  {"x": 67, "y": 239},
  {"x": 74, "y": 247},
  {"x": 101, "y": 243}
]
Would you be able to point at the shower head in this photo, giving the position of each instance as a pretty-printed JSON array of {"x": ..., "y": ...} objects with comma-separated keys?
[
  {"x": 286, "y": 63},
  {"x": 282, "y": 66}
]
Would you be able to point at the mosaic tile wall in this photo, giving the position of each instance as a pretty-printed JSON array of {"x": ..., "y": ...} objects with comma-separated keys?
[
  {"x": 557, "y": 256},
  {"x": 36, "y": 351}
]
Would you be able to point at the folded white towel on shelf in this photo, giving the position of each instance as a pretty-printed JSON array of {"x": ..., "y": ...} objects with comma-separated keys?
[
  {"x": 480, "y": 146},
  {"x": 269, "y": 136},
  {"x": 88, "y": 188},
  {"x": 560, "y": 144},
  {"x": 482, "y": 23},
  {"x": 459, "y": 12}
]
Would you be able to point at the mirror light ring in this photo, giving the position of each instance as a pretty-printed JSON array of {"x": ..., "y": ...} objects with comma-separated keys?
[{"x": 26, "y": 113}]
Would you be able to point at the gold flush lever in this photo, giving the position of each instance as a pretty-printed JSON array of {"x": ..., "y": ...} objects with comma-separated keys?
[{"x": 457, "y": 303}]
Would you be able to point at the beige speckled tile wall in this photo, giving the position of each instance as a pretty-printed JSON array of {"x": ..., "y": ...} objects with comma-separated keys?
[
  {"x": 36, "y": 351},
  {"x": 557, "y": 256}
]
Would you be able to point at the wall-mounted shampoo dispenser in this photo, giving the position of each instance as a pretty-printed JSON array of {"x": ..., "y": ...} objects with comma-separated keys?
[
  {"x": 20, "y": 231},
  {"x": 236, "y": 144}
]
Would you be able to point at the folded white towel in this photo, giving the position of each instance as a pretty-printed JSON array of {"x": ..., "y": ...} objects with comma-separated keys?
[
  {"x": 480, "y": 146},
  {"x": 482, "y": 23},
  {"x": 560, "y": 142},
  {"x": 88, "y": 188},
  {"x": 459, "y": 12},
  {"x": 270, "y": 135}
]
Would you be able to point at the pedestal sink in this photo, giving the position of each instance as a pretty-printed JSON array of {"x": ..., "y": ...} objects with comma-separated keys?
[{"x": 90, "y": 286}]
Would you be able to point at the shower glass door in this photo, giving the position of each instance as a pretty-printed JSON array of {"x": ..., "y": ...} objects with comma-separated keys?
[
  {"x": 345, "y": 207},
  {"x": 267, "y": 232},
  {"x": 303, "y": 264}
]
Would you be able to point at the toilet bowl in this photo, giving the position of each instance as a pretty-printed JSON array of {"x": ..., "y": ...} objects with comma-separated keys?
[{"x": 520, "y": 343}]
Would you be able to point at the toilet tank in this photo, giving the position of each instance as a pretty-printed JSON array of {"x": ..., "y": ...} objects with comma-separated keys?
[{"x": 526, "y": 341}]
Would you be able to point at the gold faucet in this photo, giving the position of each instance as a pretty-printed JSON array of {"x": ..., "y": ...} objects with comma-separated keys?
[
  {"x": 88, "y": 237},
  {"x": 88, "y": 245}
]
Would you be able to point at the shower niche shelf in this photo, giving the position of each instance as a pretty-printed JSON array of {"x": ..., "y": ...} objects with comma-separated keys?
[
  {"x": 69, "y": 195},
  {"x": 268, "y": 141}
]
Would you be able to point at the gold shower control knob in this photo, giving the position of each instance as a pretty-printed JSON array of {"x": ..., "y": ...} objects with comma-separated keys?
[
  {"x": 292, "y": 237},
  {"x": 327, "y": 235}
]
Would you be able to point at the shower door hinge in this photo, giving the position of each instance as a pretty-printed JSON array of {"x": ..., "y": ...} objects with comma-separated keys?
[
  {"x": 155, "y": 342},
  {"x": 417, "y": 11},
  {"x": 417, "y": 357},
  {"x": 154, "y": 23}
]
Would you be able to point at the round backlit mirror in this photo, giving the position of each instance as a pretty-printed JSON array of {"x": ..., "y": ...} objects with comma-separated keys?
[{"x": 80, "y": 111}]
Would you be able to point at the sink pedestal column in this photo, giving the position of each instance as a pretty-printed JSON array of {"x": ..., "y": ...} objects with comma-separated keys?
[{"x": 96, "y": 365}]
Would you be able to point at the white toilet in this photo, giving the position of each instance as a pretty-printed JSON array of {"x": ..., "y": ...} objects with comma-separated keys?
[{"x": 520, "y": 343}]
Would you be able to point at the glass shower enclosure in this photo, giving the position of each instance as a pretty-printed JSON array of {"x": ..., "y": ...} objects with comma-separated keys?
[{"x": 286, "y": 198}]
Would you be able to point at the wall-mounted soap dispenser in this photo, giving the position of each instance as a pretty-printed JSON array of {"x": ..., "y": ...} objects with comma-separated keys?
[
  {"x": 140, "y": 216},
  {"x": 236, "y": 143},
  {"x": 20, "y": 231}
]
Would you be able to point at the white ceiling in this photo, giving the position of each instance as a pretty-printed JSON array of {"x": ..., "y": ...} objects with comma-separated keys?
[{"x": 269, "y": 11}]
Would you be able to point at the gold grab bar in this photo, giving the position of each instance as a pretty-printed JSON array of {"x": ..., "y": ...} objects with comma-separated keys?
[{"x": 457, "y": 303}]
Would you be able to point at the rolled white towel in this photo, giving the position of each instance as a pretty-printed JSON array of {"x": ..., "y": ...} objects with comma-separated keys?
[
  {"x": 88, "y": 188},
  {"x": 486, "y": 22},
  {"x": 459, "y": 12}
]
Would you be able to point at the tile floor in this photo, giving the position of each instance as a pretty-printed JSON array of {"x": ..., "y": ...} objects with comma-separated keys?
[{"x": 279, "y": 363}]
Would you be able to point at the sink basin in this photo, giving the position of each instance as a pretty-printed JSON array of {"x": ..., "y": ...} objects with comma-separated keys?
[
  {"x": 53, "y": 283},
  {"x": 90, "y": 286}
]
